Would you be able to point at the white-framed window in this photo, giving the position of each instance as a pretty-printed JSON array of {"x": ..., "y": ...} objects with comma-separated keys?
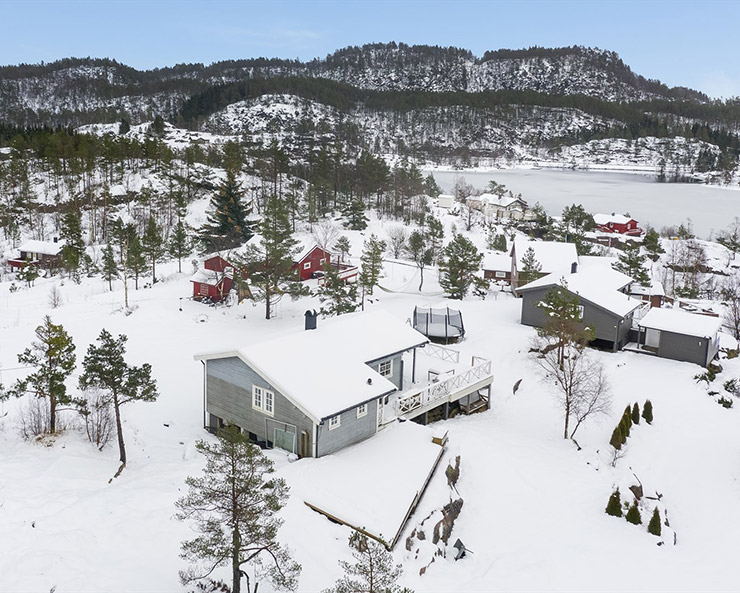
[
  {"x": 263, "y": 400},
  {"x": 307, "y": 265},
  {"x": 580, "y": 311},
  {"x": 362, "y": 410},
  {"x": 386, "y": 368},
  {"x": 500, "y": 274},
  {"x": 334, "y": 422},
  {"x": 322, "y": 261}
]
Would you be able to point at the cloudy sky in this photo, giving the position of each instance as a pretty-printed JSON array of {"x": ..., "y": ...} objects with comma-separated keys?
[{"x": 681, "y": 43}]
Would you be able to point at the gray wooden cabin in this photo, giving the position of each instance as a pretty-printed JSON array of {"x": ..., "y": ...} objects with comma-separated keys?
[
  {"x": 311, "y": 392},
  {"x": 606, "y": 310},
  {"x": 680, "y": 336}
]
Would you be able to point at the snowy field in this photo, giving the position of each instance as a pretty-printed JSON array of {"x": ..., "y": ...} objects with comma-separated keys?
[
  {"x": 533, "y": 514},
  {"x": 710, "y": 208}
]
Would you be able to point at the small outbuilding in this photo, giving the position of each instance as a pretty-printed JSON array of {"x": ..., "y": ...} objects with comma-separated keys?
[
  {"x": 214, "y": 280},
  {"x": 617, "y": 223},
  {"x": 497, "y": 266},
  {"x": 680, "y": 336}
]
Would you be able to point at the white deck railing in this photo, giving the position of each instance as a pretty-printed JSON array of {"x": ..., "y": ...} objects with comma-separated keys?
[
  {"x": 446, "y": 354},
  {"x": 444, "y": 390}
]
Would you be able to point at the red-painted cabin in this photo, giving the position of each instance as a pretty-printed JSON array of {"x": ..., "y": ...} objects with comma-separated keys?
[
  {"x": 311, "y": 260},
  {"x": 214, "y": 281},
  {"x": 616, "y": 223}
]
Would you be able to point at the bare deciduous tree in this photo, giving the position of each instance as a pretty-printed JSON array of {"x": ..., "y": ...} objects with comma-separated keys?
[
  {"x": 731, "y": 297},
  {"x": 397, "y": 239},
  {"x": 325, "y": 234}
]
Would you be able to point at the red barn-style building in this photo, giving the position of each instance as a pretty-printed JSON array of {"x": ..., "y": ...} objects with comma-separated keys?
[
  {"x": 214, "y": 281},
  {"x": 616, "y": 223}
]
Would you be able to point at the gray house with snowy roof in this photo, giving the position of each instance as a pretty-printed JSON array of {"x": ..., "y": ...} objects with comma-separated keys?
[
  {"x": 311, "y": 392},
  {"x": 679, "y": 335},
  {"x": 605, "y": 308}
]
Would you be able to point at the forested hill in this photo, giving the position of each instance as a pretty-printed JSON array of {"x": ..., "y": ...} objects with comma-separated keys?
[{"x": 81, "y": 91}]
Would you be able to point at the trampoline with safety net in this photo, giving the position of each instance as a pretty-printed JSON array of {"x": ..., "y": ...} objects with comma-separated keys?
[{"x": 442, "y": 325}]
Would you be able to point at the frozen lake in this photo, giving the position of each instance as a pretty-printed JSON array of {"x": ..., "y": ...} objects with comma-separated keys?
[{"x": 710, "y": 209}]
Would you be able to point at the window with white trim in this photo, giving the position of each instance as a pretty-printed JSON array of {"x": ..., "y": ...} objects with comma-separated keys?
[
  {"x": 334, "y": 422},
  {"x": 322, "y": 261},
  {"x": 263, "y": 400},
  {"x": 307, "y": 265},
  {"x": 500, "y": 274},
  {"x": 362, "y": 410},
  {"x": 580, "y": 311},
  {"x": 386, "y": 368}
]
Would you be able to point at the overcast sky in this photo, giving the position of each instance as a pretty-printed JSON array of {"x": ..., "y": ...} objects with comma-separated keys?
[{"x": 687, "y": 43}]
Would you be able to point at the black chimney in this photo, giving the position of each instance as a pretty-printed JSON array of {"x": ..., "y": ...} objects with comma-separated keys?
[
  {"x": 573, "y": 267},
  {"x": 311, "y": 317}
]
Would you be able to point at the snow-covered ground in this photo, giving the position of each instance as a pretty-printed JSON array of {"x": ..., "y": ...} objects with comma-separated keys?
[
  {"x": 533, "y": 514},
  {"x": 710, "y": 208}
]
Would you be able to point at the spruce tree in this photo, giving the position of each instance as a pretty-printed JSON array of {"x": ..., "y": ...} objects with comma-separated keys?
[
  {"x": 153, "y": 245},
  {"x": 110, "y": 266},
  {"x": 458, "y": 267},
  {"x": 624, "y": 428},
  {"x": 531, "y": 268},
  {"x": 342, "y": 247},
  {"x": 226, "y": 223},
  {"x": 135, "y": 260},
  {"x": 435, "y": 233},
  {"x": 633, "y": 515},
  {"x": 614, "y": 506},
  {"x": 73, "y": 251},
  {"x": 372, "y": 264},
  {"x": 654, "y": 526},
  {"x": 119, "y": 383},
  {"x": 632, "y": 263},
  {"x": 647, "y": 411},
  {"x": 233, "y": 506},
  {"x": 651, "y": 243},
  {"x": 636, "y": 413},
  {"x": 628, "y": 417},
  {"x": 53, "y": 359},
  {"x": 355, "y": 213}
]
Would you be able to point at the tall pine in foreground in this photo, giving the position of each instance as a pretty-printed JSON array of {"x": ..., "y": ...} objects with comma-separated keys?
[
  {"x": 152, "y": 245},
  {"x": 372, "y": 264},
  {"x": 632, "y": 263},
  {"x": 226, "y": 224},
  {"x": 233, "y": 507},
  {"x": 119, "y": 383},
  {"x": 270, "y": 261}
]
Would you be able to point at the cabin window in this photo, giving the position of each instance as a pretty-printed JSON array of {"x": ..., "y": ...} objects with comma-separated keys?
[
  {"x": 334, "y": 422},
  {"x": 580, "y": 312},
  {"x": 500, "y": 274},
  {"x": 307, "y": 265},
  {"x": 362, "y": 410},
  {"x": 322, "y": 261},
  {"x": 386, "y": 368},
  {"x": 263, "y": 400}
]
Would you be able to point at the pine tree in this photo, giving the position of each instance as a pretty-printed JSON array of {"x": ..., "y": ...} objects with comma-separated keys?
[
  {"x": 420, "y": 252},
  {"x": 28, "y": 274},
  {"x": 372, "y": 571},
  {"x": 531, "y": 268},
  {"x": 343, "y": 247},
  {"x": 372, "y": 264},
  {"x": 633, "y": 515},
  {"x": 270, "y": 262},
  {"x": 647, "y": 411},
  {"x": 632, "y": 263},
  {"x": 233, "y": 506},
  {"x": 435, "y": 233},
  {"x": 73, "y": 251},
  {"x": 110, "y": 266},
  {"x": 153, "y": 245},
  {"x": 636, "y": 413},
  {"x": 53, "y": 358},
  {"x": 118, "y": 382},
  {"x": 226, "y": 224},
  {"x": 135, "y": 262},
  {"x": 614, "y": 506},
  {"x": 458, "y": 267},
  {"x": 337, "y": 295},
  {"x": 654, "y": 526}
]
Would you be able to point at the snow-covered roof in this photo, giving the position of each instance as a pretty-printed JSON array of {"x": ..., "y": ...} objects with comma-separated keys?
[
  {"x": 323, "y": 370},
  {"x": 209, "y": 277},
  {"x": 42, "y": 247},
  {"x": 679, "y": 322},
  {"x": 496, "y": 261},
  {"x": 553, "y": 255},
  {"x": 372, "y": 484},
  {"x": 605, "y": 219},
  {"x": 655, "y": 289},
  {"x": 501, "y": 201},
  {"x": 305, "y": 245},
  {"x": 598, "y": 285}
]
